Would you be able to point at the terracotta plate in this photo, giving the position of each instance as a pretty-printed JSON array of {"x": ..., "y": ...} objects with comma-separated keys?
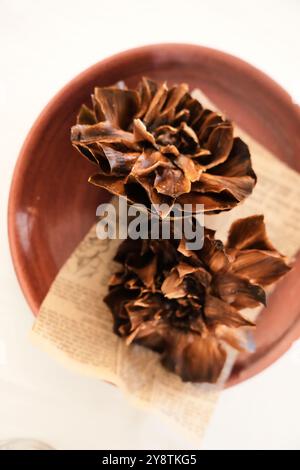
[{"x": 52, "y": 207}]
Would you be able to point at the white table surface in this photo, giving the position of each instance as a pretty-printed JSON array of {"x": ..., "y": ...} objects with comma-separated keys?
[{"x": 43, "y": 45}]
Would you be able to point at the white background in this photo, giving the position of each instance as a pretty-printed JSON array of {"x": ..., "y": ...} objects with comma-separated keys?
[{"x": 43, "y": 45}]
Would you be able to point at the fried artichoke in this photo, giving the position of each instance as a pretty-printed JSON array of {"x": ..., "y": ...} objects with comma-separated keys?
[
  {"x": 186, "y": 304},
  {"x": 158, "y": 145}
]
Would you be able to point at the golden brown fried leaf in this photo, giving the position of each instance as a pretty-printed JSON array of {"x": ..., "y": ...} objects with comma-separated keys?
[
  {"x": 238, "y": 291},
  {"x": 194, "y": 358},
  {"x": 118, "y": 106},
  {"x": 260, "y": 267},
  {"x": 249, "y": 233},
  {"x": 219, "y": 312}
]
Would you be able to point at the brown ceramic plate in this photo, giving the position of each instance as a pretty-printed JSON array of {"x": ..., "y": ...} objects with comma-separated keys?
[{"x": 51, "y": 205}]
